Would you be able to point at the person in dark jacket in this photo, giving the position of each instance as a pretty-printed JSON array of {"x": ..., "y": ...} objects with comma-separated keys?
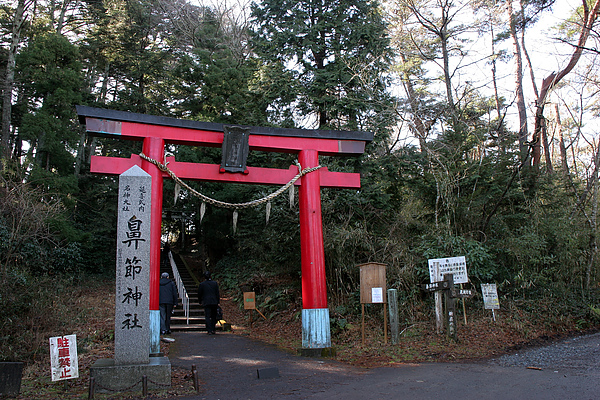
[
  {"x": 208, "y": 296},
  {"x": 167, "y": 299}
]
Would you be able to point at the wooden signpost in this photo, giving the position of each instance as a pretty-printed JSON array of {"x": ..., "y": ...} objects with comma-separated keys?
[
  {"x": 249, "y": 301},
  {"x": 250, "y": 304},
  {"x": 438, "y": 267},
  {"x": 373, "y": 290},
  {"x": 450, "y": 293}
]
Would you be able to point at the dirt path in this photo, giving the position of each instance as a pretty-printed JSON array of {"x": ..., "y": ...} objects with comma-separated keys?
[{"x": 228, "y": 365}]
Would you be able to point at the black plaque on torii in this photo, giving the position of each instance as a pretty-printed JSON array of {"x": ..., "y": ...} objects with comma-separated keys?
[{"x": 235, "y": 149}]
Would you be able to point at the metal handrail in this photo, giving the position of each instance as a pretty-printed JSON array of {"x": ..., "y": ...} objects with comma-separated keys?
[{"x": 185, "y": 299}]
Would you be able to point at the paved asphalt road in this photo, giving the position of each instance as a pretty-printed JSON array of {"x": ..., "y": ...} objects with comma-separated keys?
[{"x": 229, "y": 366}]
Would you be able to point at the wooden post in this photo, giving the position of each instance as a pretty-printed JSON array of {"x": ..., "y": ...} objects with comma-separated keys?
[
  {"x": 144, "y": 386},
  {"x": 450, "y": 307},
  {"x": 261, "y": 314},
  {"x": 464, "y": 306},
  {"x": 92, "y": 391},
  {"x": 394, "y": 325},
  {"x": 439, "y": 312},
  {"x": 195, "y": 378},
  {"x": 363, "y": 324},
  {"x": 385, "y": 323},
  {"x": 439, "y": 308},
  {"x": 250, "y": 303}
]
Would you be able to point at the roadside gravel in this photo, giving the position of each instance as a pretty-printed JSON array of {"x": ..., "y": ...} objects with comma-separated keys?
[{"x": 577, "y": 354}]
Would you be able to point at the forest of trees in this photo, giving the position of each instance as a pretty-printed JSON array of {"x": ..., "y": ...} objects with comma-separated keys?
[{"x": 486, "y": 134}]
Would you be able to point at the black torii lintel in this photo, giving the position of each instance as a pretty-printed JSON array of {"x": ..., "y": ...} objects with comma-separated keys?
[{"x": 114, "y": 115}]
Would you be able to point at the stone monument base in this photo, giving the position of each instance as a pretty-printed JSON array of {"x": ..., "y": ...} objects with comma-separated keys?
[{"x": 109, "y": 377}]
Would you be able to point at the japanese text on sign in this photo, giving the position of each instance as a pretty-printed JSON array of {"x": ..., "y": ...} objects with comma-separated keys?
[
  {"x": 490, "y": 296},
  {"x": 63, "y": 357},
  {"x": 133, "y": 264},
  {"x": 132, "y": 301},
  {"x": 376, "y": 295},
  {"x": 457, "y": 266}
]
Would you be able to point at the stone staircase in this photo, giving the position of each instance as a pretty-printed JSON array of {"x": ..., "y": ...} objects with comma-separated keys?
[{"x": 179, "y": 322}]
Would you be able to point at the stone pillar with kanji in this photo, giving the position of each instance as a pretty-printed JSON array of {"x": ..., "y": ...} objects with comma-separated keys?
[
  {"x": 132, "y": 300},
  {"x": 132, "y": 361}
]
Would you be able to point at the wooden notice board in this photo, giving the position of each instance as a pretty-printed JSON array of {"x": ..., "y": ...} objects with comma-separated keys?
[
  {"x": 372, "y": 283},
  {"x": 373, "y": 290},
  {"x": 249, "y": 301}
]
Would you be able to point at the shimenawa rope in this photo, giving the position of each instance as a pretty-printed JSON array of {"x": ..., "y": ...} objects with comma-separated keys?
[{"x": 236, "y": 206}]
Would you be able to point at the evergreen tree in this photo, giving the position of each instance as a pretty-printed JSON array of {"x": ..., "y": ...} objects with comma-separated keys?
[
  {"x": 50, "y": 73},
  {"x": 324, "y": 59}
]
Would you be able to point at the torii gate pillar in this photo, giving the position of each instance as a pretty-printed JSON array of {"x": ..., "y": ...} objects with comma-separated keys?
[
  {"x": 315, "y": 314},
  {"x": 154, "y": 148}
]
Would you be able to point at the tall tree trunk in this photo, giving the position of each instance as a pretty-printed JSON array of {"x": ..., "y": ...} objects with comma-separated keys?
[
  {"x": 446, "y": 60},
  {"x": 80, "y": 151},
  {"x": 418, "y": 126},
  {"x": 9, "y": 79},
  {"x": 104, "y": 88},
  {"x": 500, "y": 142},
  {"x": 520, "y": 96},
  {"x": 60, "y": 23},
  {"x": 319, "y": 57},
  {"x": 550, "y": 82},
  {"x": 561, "y": 145},
  {"x": 593, "y": 235},
  {"x": 544, "y": 138},
  {"x": 440, "y": 29},
  {"x": 17, "y": 146},
  {"x": 547, "y": 153},
  {"x": 494, "y": 77}
]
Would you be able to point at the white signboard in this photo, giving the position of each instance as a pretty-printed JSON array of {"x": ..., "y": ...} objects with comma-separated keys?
[
  {"x": 457, "y": 266},
  {"x": 490, "y": 296},
  {"x": 376, "y": 295},
  {"x": 63, "y": 357}
]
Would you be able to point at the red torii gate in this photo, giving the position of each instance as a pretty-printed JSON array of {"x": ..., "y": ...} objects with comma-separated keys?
[{"x": 156, "y": 131}]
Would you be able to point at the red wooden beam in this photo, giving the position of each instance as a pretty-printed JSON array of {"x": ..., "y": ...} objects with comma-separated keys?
[
  {"x": 198, "y": 137},
  {"x": 210, "y": 172}
]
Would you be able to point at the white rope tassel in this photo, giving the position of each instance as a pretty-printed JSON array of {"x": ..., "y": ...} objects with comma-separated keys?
[
  {"x": 292, "y": 190},
  {"x": 176, "y": 194},
  {"x": 235, "y": 218},
  {"x": 202, "y": 210},
  {"x": 268, "y": 210}
]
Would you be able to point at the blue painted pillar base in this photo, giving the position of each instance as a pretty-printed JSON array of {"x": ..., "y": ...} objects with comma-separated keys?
[
  {"x": 316, "y": 333},
  {"x": 155, "y": 333}
]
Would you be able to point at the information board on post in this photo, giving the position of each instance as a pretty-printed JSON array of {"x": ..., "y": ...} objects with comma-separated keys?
[
  {"x": 457, "y": 266},
  {"x": 373, "y": 290},
  {"x": 490, "y": 296},
  {"x": 63, "y": 357},
  {"x": 372, "y": 276}
]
